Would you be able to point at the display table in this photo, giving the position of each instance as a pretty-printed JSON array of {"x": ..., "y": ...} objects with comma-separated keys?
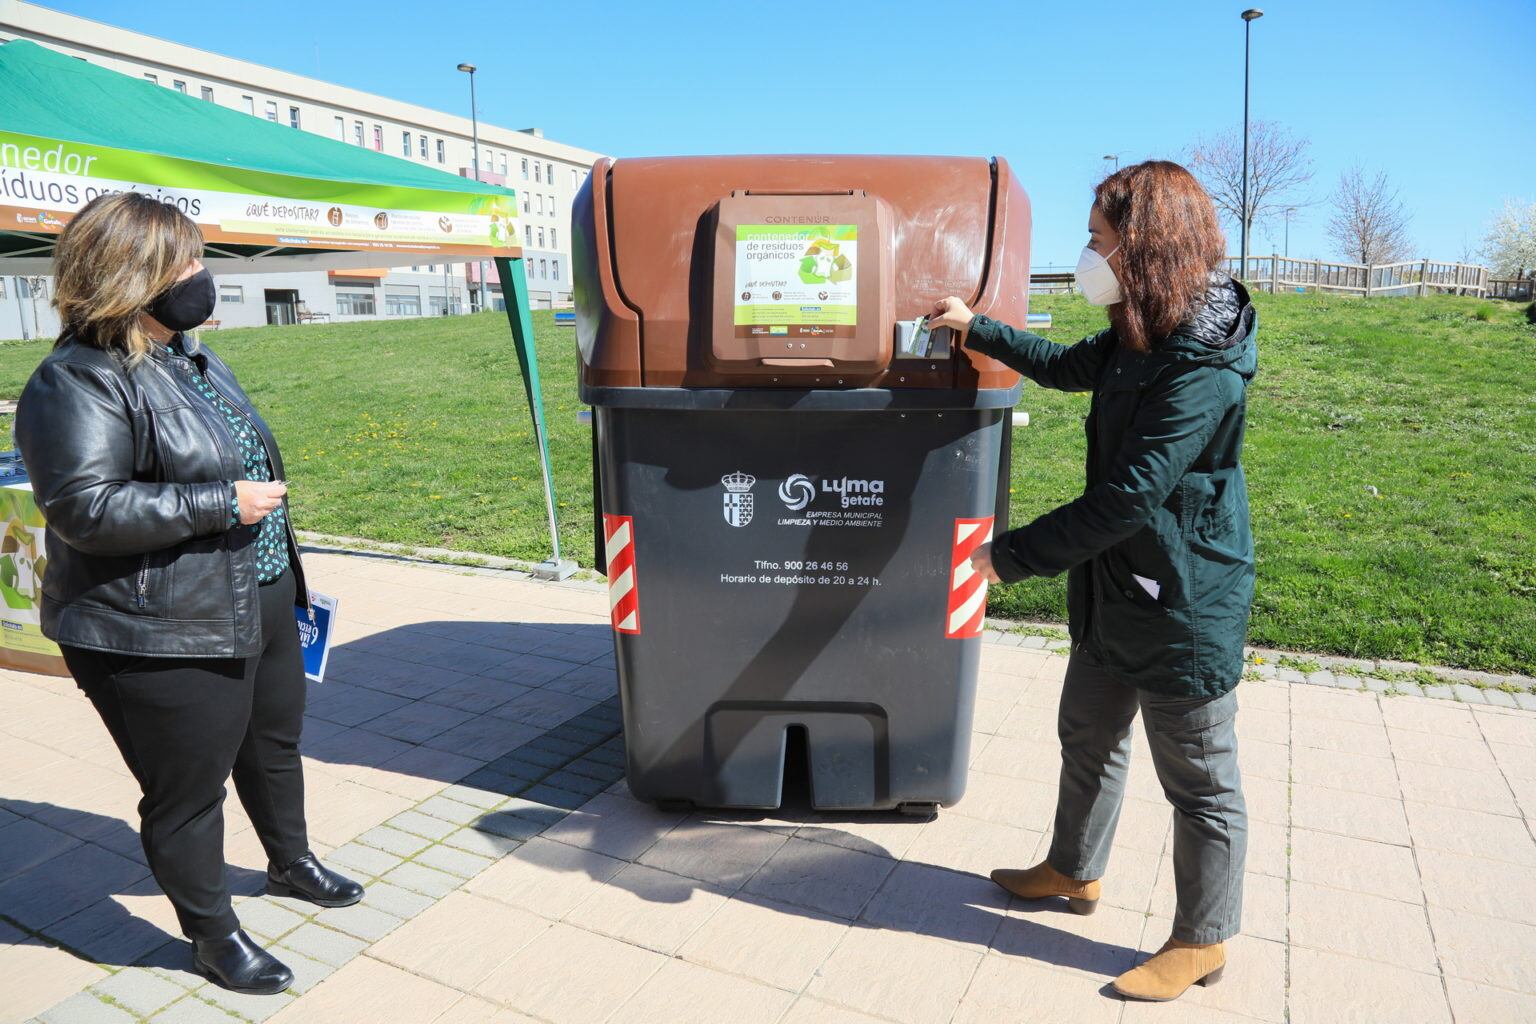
[{"x": 22, "y": 564}]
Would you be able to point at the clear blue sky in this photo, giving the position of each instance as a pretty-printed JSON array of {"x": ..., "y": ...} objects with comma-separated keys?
[{"x": 1441, "y": 96}]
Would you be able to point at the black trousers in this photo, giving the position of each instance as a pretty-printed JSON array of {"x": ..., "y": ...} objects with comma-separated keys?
[{"x": 182, "y": 725}]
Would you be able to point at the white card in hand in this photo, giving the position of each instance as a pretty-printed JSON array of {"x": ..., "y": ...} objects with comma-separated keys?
[{"x": 1152, "y": 587}]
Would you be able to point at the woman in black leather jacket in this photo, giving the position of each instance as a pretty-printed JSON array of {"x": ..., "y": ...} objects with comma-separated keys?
[{"x": 173, "y": 571}]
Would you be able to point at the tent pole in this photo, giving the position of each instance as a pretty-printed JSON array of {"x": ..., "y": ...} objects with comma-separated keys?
[{"x": 514, "y": 293}]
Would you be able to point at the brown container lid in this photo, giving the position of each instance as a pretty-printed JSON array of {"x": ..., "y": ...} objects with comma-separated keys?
[{"x": 659, "y": 295}]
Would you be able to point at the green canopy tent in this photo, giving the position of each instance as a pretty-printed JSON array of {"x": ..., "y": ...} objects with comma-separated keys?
[{"x": 266, "y": 197}]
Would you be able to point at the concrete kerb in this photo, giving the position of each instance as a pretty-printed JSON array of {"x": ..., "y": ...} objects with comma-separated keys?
[{"x": 1385, "y": 676}]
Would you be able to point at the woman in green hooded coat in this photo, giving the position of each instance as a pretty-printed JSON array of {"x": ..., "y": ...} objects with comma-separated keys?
[{"x": 1158, "y": 553}]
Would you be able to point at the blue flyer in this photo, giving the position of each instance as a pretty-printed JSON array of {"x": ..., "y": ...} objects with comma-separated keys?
[{"x": 315, "y": 636}]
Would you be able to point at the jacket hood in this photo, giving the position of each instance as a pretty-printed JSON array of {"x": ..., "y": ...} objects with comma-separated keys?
[{"x": 1222, "y": 331}]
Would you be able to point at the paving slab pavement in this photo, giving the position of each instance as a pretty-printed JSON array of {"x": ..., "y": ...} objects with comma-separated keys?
[{"x": 464, "y": 758}]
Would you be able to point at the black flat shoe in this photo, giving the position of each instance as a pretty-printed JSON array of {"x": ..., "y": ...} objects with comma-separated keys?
[
  {"x": 308, "y": 879},
  {"x": 240, "y": 965}
]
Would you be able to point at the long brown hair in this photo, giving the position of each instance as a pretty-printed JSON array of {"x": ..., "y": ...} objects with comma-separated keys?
[
  {"x": 1170, "y": 242},
  {"x": 112, "y": 259}
]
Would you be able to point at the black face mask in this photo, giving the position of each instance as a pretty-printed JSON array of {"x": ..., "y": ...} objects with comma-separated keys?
[{"x": 185, "y": 304}]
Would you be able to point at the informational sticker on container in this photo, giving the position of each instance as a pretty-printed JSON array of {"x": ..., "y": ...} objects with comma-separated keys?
[
  {"x": 796, "y": 280},
  {"x": 315, "y": 634}
]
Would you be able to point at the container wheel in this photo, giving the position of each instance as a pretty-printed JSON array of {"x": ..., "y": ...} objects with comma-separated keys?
[{"x": 919, "y": 809}]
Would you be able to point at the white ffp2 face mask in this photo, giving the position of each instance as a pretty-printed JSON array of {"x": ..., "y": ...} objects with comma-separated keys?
[{"x": 1097, "y": 278}]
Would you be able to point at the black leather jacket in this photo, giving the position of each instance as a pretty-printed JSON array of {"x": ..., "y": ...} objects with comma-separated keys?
[{"x": 133, "y": 472}]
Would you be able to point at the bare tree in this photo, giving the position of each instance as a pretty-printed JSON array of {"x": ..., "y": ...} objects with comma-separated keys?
[
  {"x": 1279, "y": 167},
  {"x": 1368, "y": 224},
  {"x": 1510, "y": 245}
]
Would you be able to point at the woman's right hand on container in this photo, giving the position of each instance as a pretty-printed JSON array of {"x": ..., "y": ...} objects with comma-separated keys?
[
  {"x": 953, "y": 313},
  {"x": 257, "y": 500}
]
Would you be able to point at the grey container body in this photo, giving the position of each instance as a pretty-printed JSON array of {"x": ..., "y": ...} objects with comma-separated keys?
[{"x": 774, "y": 603}]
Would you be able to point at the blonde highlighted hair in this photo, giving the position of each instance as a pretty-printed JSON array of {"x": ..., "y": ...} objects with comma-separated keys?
[{"x": 112, "y": 260}]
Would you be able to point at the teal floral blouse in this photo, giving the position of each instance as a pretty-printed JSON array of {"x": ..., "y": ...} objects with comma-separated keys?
[{"x": 272, "y": 531}]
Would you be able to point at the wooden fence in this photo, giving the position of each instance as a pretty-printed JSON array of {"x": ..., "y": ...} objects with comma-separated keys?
[
  {"x": 1411, "y": 277},
  {"x": 1275, "y": 273},
  {"x": 1516, "y": 289}
]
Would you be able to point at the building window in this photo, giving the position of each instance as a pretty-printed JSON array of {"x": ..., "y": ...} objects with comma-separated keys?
[
  {"x": 552, "y": 243},
  {"x": 271, "y": 110},
  {"x": 537, "y": 172},
  {"x": 442, "y": 152},
  {"x": 293, "y": 117},
  {"x": 341, "y": 128},
  {"x": 575, "y": 179},
  {"x": 525, "y": 168},
  {"x": 179, "y": 86},
  {"x": 544, "y": 268},
  {"x": 402, "y": 299},
  {"x": 355, "y": 300},
  {"x": 526, "y": 201},
  {"x": 502, "y": 162},
  {"x": 423, "y": 147},
  {"x": 31, "y": 287},
  {"x": 208, "y": 93},
  {"x": 552, "y": 206},
  {"x": 554, "y": 267},
  {"x": 528, "y": 235},
  {"x": 357, "y": 133},
  {"x": 541, "y": 202},
  {"x": 454, "y": 303},
  {"x": 2, "y": 287},
  {"x": 250, "y": 104},
  {"x": 231, "y": 293},
  {"x": 541, "y": 238},
  {"x": 378, "y": 138},
  {"x": 151, "y": 79},
  {"x": 405, "y": 144}
]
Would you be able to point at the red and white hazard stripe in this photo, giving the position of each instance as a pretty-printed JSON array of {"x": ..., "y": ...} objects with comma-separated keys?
[
  {"x": 967, "y": 588},
  {"x": 623, "y": 594}
]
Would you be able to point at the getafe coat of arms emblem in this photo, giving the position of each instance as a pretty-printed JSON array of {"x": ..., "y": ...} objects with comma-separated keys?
[{"x": 738, "y": 497}]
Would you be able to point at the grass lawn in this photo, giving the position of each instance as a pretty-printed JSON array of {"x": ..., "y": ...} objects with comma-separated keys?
[{"x": 1391, "y": 459}]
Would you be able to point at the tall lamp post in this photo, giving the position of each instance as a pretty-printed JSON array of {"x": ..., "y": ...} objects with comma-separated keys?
[
  {"x": 1115, "y": 157},
  {"x": 1288, "y": 211},
  {"x": 474, "y": 131},
  {"x": 1249, "y": 17}
]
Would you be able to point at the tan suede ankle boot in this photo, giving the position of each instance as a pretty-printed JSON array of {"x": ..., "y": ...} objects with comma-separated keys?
[
  {"x": 1171, "y": 970},
  {"x": 1043, "y": 881}
]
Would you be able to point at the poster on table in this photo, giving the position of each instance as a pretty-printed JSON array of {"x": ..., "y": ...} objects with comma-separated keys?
[{"x": 23, "y": 560}]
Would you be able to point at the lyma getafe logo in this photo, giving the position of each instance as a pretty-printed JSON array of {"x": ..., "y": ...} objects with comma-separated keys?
[
  {"x": 797, "y": 492},
  {"x": 738, "y": 497}
]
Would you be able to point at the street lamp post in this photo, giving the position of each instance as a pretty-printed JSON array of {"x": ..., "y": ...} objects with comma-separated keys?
[
  {"x": 474, "y": 131},
  {"x": 1115, "y": 157},
  {"x": 1288, "y": 211},
  {"x": 1249, "y": 17}
]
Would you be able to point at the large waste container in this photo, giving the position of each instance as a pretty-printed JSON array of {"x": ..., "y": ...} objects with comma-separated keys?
[{"x": 789, "y": 479}]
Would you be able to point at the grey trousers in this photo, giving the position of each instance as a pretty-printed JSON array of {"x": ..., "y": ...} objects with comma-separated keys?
[{"x": 1194, "y": 749}]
